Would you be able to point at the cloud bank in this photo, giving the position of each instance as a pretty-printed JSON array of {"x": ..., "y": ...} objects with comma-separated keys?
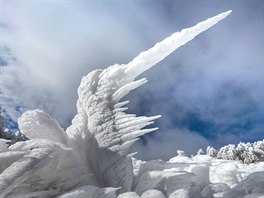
[{"x": 208, "y": 92}]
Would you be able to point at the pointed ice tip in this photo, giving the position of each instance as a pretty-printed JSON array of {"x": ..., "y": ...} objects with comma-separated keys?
[
  {"x": 223, "y": 15},
  {"x": 228, "y": 12},
  {"x": 147, "y": 59},
  {"x": 131, "y": 154}
]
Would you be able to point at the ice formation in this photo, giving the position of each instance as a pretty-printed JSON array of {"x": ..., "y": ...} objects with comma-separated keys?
[{"x": 92, "y": 158}]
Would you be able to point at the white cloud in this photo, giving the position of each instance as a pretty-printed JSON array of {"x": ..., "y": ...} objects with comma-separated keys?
[{"x": 57, "y": 43}]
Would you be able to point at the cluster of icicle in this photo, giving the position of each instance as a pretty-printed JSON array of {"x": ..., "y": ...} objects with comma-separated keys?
[{"x": 92, "y": 158}]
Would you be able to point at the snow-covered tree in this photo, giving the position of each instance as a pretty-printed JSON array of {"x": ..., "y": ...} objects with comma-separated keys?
[
  {"x": 211, "y": 151},
  {"x": 200, "y": 152},
  {"x": 245, "y": 152},
  {"x": 8, "y": 136},
  {"x": 227, "y": 152}
]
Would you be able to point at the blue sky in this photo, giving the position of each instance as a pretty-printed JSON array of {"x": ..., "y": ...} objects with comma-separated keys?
[{"x": 209, "y": 92}]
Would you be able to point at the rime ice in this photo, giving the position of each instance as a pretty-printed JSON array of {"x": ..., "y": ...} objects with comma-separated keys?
[{"x": 92, "y": 158}]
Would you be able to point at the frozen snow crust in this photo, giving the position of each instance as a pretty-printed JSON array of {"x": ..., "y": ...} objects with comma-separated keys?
[{"x": 92, "y": 158}]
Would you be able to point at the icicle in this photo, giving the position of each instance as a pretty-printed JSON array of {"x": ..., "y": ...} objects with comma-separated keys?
[
  {"x": 121, "y": 92},
  {"x": 137, "y": 121},
  {"x": 149, "y": 58},
  {"x": 136, "y": 134},
  {"x": 121, "y": 104}
]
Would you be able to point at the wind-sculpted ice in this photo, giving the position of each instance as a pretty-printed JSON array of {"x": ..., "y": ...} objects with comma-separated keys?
[{"x": 92, "y": 158}]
